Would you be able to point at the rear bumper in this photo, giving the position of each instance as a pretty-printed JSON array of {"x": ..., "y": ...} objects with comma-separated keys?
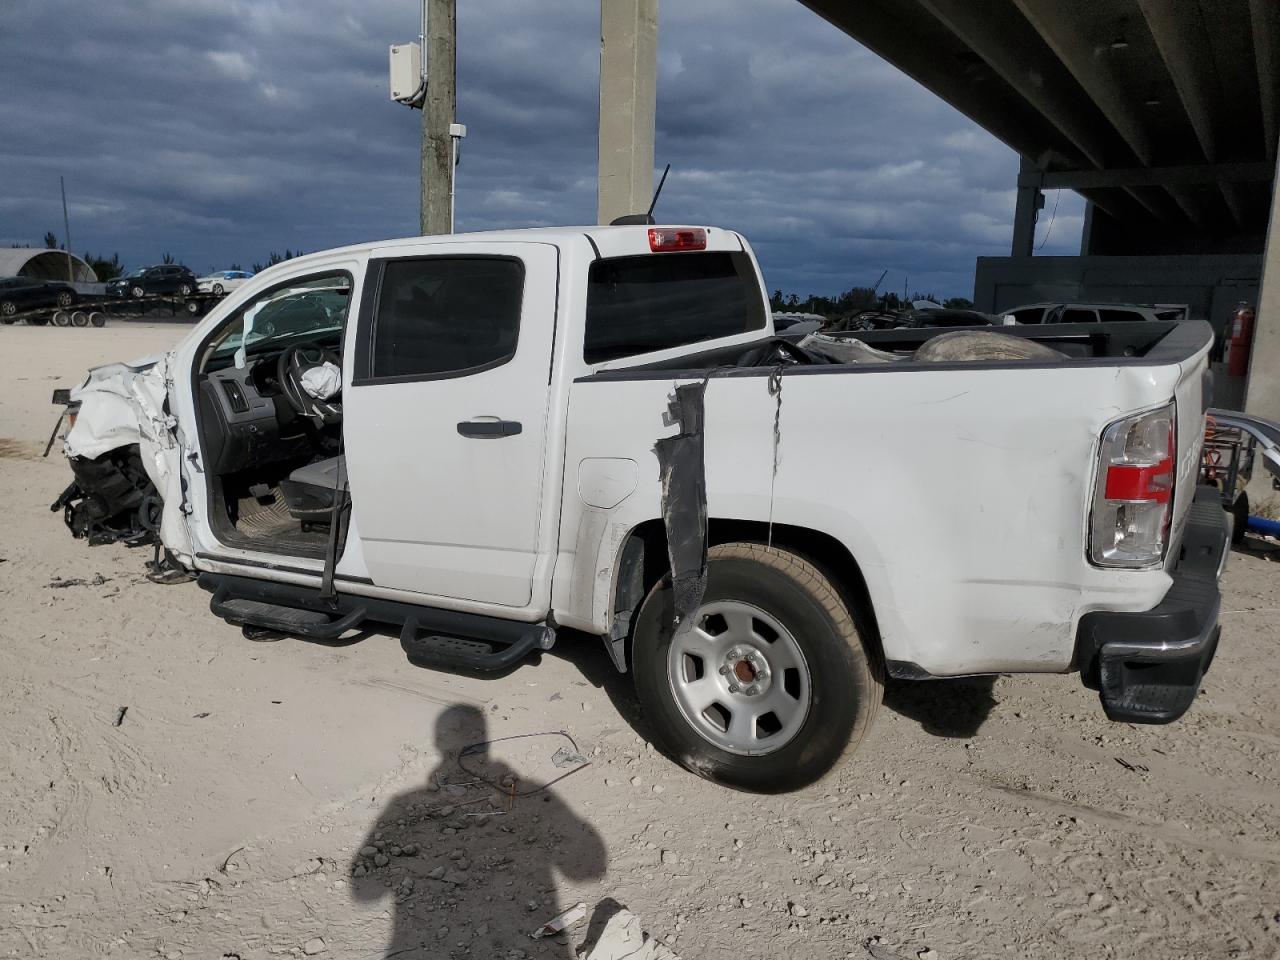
[{"x": 1147, "y": 666}]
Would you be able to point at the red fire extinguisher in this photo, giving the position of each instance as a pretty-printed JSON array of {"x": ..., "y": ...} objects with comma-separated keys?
[{"x": 1241, "y": 341}]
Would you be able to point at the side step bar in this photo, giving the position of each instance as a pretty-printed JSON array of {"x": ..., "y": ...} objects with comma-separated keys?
[{"x": 440, "y": 639}]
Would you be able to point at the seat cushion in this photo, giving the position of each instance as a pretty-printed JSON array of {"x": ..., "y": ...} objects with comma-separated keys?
[
  {"x": 331, "y": 473},
  {"x": 309, "y": 491}
]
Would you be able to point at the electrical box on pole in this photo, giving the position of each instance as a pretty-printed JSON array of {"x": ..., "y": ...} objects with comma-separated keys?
[{"x": 406, "y": 74}]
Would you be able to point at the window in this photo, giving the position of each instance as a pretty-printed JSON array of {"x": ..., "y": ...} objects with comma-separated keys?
[
  {"x": 1120, "y": 316},
  {"x": 446, "y": 316},
  {"x": 1030, "y": 315},
  {"x": 297, "y": 311},
  {"x": 654, "y": 302},
  {"x": 1077, "y": 315}
]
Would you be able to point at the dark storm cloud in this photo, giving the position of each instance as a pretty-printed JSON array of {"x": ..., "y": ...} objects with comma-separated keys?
[{"x": 220, "y": 130}]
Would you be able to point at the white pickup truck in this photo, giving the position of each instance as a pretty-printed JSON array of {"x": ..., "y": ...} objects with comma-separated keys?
[{"x": 492, "y": 440}]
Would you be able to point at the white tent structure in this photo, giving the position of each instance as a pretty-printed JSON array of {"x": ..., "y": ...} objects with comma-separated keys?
[{"x": 45, "y": 265}]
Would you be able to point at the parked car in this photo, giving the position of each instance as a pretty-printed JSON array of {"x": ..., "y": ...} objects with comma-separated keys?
[
  {"x": 1060, "y": 312},
  {"x": 162, "y": 278},
  {"x": 222, "y": 281},
  {"x": 488, "y": 439},
  {"x": 28, "y": 293}
]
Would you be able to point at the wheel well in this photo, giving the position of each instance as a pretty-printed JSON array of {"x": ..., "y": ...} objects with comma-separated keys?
[{"x": 822, "y": 550}]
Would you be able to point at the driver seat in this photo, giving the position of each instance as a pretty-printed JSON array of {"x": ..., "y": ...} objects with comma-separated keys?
[{"x": 309, "y": 492}]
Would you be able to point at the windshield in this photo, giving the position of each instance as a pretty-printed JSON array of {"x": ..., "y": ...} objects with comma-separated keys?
[{"x": 312, "y": 306}]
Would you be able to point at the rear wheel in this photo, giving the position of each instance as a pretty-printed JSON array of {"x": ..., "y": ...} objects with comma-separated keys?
[
  {"x": 770, "y": 685},
  {"x": 79, "y": 319},
  {"x": 7, "y": 309},
  {"x": 62, "y": 319},
  {"x": 66, "y": 298}
]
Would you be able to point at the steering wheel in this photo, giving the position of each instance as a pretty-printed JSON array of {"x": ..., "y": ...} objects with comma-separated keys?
[
  {"x": 290, "y": 367},
  {"x": 776, "y": 352}
]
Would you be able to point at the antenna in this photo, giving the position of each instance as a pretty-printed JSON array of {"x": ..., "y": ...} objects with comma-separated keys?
[
  {"x": 657, "y": 193},
  {"x": 643, "y": 218}
]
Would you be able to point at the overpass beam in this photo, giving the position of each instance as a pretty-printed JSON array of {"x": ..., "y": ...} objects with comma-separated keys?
[
  {"x": 1262, "y": 393},
  {"x": 1058, "y": 24},
  {"x": 628, "y": 106},
  {"x": 1030, "y": 200}
]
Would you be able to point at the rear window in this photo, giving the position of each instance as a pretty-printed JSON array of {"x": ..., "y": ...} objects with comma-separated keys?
[
  {"x": 1078, "y": 315},
  {"x": 1120, "y": 316},
  {"x": 654, "y": 302}
]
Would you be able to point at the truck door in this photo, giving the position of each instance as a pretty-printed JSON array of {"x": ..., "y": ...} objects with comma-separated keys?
[{"x": 445, "y": 418}]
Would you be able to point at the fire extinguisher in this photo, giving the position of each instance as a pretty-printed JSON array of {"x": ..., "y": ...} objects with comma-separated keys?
[{"x": 1241, "y": 341}]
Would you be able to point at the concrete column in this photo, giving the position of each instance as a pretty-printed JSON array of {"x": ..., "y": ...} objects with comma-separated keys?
[
  {"x": 1030, "y": 200},
  {"x": 1262, "y": 395},
  {"x": 437, "y": 115},
  {"x": 628, "y": 106}
]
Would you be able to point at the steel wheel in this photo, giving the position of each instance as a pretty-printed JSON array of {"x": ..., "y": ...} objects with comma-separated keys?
[{"x": 740, "y": 678}]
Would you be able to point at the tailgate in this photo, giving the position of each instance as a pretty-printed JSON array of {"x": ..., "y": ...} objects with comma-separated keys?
[{"x": 1193, "y": 394}]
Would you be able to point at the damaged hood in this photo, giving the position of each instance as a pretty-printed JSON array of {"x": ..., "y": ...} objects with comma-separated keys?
[
  {"x": 123, "y": 404},
  {"x": 118, "y": 402}
]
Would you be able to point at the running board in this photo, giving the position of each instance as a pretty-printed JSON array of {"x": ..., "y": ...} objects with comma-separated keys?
[
  {"x": 481, "y": 656},
  {"x": 431, "y": 637},
  {"x": 312, "y": 624}
]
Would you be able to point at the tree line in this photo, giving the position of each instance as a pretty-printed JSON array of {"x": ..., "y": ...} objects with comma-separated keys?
[{"x": 856, "y": 300}]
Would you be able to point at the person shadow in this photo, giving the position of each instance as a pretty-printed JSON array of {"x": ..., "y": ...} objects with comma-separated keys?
[{"x": 469, "y": 859}]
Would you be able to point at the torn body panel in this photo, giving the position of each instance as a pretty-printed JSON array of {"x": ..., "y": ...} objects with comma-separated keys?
[{"x": 682, "y": 472}]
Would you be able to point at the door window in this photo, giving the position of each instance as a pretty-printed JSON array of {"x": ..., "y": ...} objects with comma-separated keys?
[
  {"x": 1078, "y": 315},
  {"x": 445, "y": 317}
]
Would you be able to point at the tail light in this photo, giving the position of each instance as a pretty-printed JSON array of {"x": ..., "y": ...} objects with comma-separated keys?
[
  {"x": 1133, "y": 500},
  {"x": 675, "y": 239}
]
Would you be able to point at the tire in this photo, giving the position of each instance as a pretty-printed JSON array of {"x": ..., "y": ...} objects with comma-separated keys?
[
  {"x": 79, "y": 319},
  {"x": 193, "y": 307},
  {"x": 827, "y": 695},
  {"x": 98, "y": 319},
  {"x": 1239, "y": 518},
  {"x": 138, "y": 293},
  {"x": 184, "y": 289},
  {"x": 8, "y": 309},
  {"x": 66, "y": 298},
  {"x": 62, "y": 319},
  {"x": 217, "y": 289}
]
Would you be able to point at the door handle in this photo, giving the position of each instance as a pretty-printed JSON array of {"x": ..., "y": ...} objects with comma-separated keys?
[{"x": 489, "y": 429}]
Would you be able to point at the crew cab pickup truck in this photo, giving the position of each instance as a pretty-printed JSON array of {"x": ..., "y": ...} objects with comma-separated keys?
[{"x": 494, "y": 441}]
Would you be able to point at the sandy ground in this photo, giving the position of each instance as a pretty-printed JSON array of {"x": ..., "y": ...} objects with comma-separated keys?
[{"x": 259, "y": 800}]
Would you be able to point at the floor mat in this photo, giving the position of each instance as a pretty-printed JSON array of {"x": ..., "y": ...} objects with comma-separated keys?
[{"x": 273, "y": 523}]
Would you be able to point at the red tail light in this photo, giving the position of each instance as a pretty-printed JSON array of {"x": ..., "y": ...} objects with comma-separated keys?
[
  {"x": 1133, "y": 502},
  {"x": 676, "y": 239}
]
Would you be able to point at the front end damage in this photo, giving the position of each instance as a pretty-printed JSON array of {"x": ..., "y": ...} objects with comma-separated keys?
[{"x": 124, "y": 455}]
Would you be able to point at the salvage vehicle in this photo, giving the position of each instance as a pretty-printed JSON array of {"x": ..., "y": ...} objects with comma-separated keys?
[
  {"x": 491, "y": 441},
  {"x": 25, "y": 293},
  {"x": 162, "y": 278}
]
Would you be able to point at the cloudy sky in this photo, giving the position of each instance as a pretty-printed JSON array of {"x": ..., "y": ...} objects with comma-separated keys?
[{"x": 218, "y": 130}]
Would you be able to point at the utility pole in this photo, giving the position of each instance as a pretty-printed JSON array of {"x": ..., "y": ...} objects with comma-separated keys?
[
  {"x": 66, "y": 226},
  {"x": 438, "y": 112}
]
